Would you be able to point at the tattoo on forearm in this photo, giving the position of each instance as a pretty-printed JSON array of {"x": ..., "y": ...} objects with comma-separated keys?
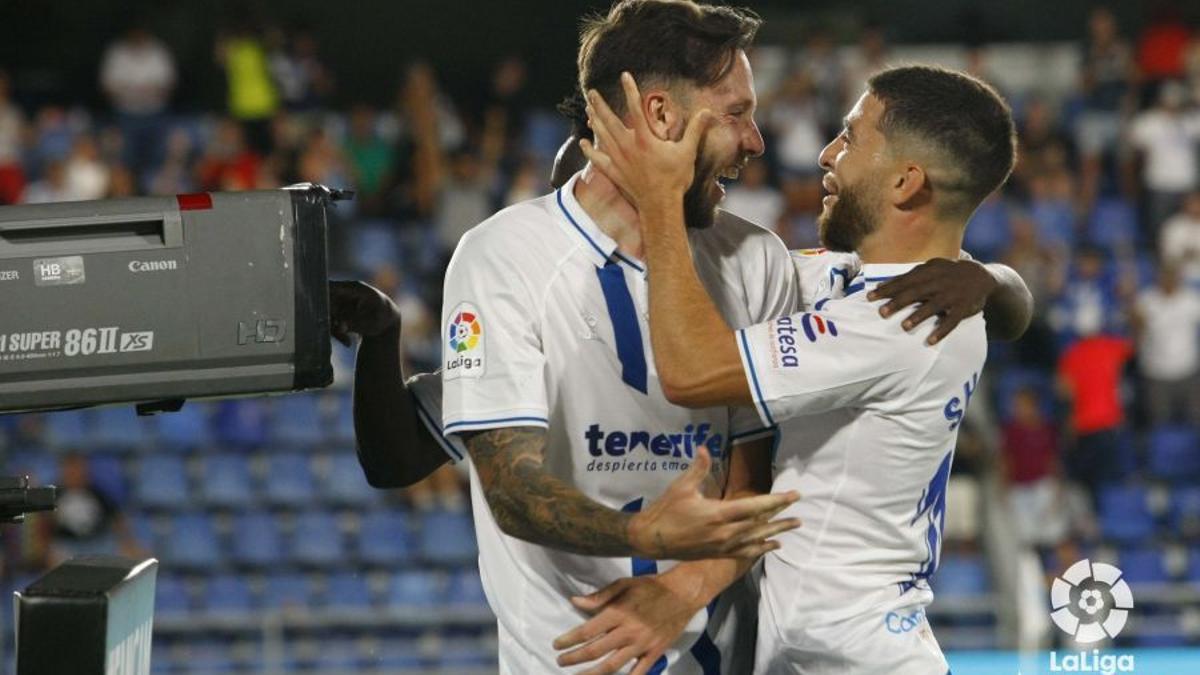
[{"x": 530, "y": 504}]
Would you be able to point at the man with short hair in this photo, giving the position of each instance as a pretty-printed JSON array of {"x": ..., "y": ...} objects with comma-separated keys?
[{"x": 868, "y": 410}]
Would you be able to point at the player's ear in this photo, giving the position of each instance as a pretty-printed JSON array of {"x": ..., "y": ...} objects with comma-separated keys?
[
  {"x": 662, "y": 113},
  {"x": 910, "y": 186}
]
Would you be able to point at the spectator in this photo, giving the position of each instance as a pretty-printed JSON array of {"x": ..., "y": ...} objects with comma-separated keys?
[
  {"x": 1089, "y": 377},
  {"x": 1162, "y": 45},
  {"x": 754, "y": 198},
  {"x": 1180, "y": 240},
  {"x": 138, "y": 76},
  {"x": 792, "y": 116},
  {"x": 1167, "y": 319},
  {"x": 797, "y": 224},
  {"x": 1167, "y": 137},
  {"x": 304, "y": 81},
  {"x": 86, "y": 176},
  {"x": 1030, "y": 471},
  {"x": 87, "y": 521},
  {"x": 464, "y": 197},
  {"x": 870, "y": 57},
  {"x": 1106, "y": 87},
  {"x": 51, "y": 188},
  {"x": 1044, "y": 148},
  {"x": 371, "y": 159},
  {"x": 174, "y": 176},
  {"x": 1089, "y": 302},
  {"x": 227, "y": 164},
  {"x": 252, "y": 96},
  {"x": 12, "y": 131},
  {"x": 322, "y": 161}
]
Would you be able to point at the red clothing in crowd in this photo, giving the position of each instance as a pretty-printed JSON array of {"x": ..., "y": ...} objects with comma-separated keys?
[
  {"x": 1030, "y": 451},
  {"x": 1093, "y": 368}
]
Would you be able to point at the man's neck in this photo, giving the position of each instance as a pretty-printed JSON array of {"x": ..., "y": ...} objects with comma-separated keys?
[
  {"x": 912, "y": 244},
  {"x": 611, "y": 212}
]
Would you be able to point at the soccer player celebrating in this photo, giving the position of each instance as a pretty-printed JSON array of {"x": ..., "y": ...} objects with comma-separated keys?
[{"x": 869, "y": 411}]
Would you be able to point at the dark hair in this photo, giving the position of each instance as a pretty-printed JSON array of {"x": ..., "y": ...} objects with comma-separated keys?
[
  {"x": 574, "y": 108},
  {"x": 661, "y": 41},
  {"x": 961, "y": 118}
]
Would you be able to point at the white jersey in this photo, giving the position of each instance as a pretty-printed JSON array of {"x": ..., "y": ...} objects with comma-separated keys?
[
  {"x": 868, "y": 415},
  {"x": 547, "y": 325}
]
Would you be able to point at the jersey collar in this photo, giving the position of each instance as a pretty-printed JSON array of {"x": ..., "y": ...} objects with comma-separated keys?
[
  {"x": 877, "y": 273},
  {"x": 575, "y": 219}
]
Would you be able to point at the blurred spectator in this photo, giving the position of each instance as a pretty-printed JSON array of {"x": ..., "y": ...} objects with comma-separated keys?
[
  {"x": 792, "y": 115},
  {"x": 1044, "y": 147},
  {"x": 138, "y": 76},
  {"x": 508, "y": 103},
  {"x": 819, "y": 58},
  {"x": 252, "y": 98},
  {"x": 754, "y": 198},
  {"x": 1089, "y": 377},
  {"x": 174, "y": 176},
  {"x": 322, "y": 161},
  {"x": 52, "y": 187},
  {"x": 1089, "y": 303},
  {"x": 1107, "y": 78},
  {"x": 372, "y": 160},
  {"x": 1167, "y": 137},
  {"x": 1031, "y": 467},
  {"x": 12, "y": 132},
  {"x": 1162, "y": 45},
  {"x": 861, "y": 62},
  {"x": 797, "y": 224},
  {"x": 87, "y": 521},
  {"x": 305, "y": 82},
  {"x": 464, "y": 196},
  {"x": 1167, "y": 319},
  {"x": 528, "y": 182},
  {"x": 227, "y": 163},
  {"x": 86, "y": 176},
  {"x": 1180, "y": 240}
]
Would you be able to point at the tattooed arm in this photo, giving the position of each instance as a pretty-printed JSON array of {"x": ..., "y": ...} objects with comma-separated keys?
[{"x": 531, "y": 504}]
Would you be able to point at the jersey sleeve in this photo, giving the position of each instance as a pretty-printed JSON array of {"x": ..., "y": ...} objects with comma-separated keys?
[
  {"x": 812, "y": 362},
  {"x": 492, "y": 358},
  {"x": 426, "y": 392}
]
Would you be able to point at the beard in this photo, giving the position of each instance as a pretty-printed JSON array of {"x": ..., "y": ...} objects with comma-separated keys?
[
  {"x": 844, "y": 226},
  {"x": 701, "y": 199}
]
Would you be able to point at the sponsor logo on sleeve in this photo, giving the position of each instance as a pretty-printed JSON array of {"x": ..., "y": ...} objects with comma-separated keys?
[
  {"x": 464, "y": 343},
  {"x": 788, "y": 331}
]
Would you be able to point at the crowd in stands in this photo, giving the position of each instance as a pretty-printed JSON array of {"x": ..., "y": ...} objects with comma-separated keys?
[{"x": 1101, "y": 218}]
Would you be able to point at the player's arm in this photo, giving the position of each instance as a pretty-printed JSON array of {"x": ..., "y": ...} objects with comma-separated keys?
[
  {"x": 955, "y": 290},
  {"x": 639, "y": 618},
  {"x": 695, "y": 352},
  {"x": 394, "y": 448},
  {"x": 531, "y": 504}
]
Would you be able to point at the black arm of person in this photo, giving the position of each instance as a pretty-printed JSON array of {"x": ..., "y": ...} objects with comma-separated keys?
[{"x": 394, "y": 448}]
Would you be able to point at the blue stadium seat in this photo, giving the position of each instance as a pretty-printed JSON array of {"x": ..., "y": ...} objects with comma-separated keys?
[
  {"x": 1175, "y": 453},
  {"x": 287, "y": 590},
  {"x": 343, "y": 419},
  {"x": 990, "y": 230},
  {"x": 209, "y": 656},
  {"x": 961, "y": 575},
  {"x": 1125, "y": 514},
  {"x": 227, "y": 481},
  {"x": 143, "y": 530},
  {"x": 289, "y": 480},
  {"x": 317, "y": 540},
  {"x": 171, "y": 599},
  {"x": 120, "y": 427},
  {"x": 337, "y": 655},
  {"x": 161, "y": 481},
  {"x": 466, "y": 589},
  {"x": 1055, "y": 221},
  {"x": 344, "y": 483},
  {"x": 186, "y": 429},
  {"x": 256, "y": 540},
  {"x": 108, "y": 475},
  {"x": 41, "y": 466},
  {"x": 374, "y": 244},
  {"x": 1113, "y": 224},
  {"x": 458, "y": 654},
  {"x": 297, "y": 420},
  {"x": 447, "y": 538},
  {"x": 228, "y": 594},
  {"x": 415, "y": 589},
  {"x": 384, "y": 538},
  {"x": 1185, "y": 510},
  {"x": 69, "y": 429},
  {"x": 192, "y": 542},
  {"x": 1143, "y": 566},
  {"x": 1193, "y": 570},
  {"x": 241, "y": 423},
  {"x": 348, "y": 591}
]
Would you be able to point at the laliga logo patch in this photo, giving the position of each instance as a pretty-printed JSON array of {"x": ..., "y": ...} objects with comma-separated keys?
[
  {"x": 1090, "y": 601},
  {"x": 464, "y": 339}
]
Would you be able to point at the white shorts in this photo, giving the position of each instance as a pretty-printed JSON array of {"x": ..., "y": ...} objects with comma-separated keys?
[{"x": 888, "y": 642}]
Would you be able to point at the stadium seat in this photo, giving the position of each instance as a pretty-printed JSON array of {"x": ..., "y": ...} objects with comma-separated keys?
[
  {"x": 192, "y": 542},
  {"x": 1175, "y": 453},
  {"x": 337, "y": 655},
  {"x": 348, "y": 591},
  {"x": 343, "y": 420},
  {"x": 161, "y": 481},
  {"x": 40, "y": 466},
  {"x": 256, "y": 540},
  {"x": 466, "y": 589},
  {"x": 415, "y": 589},
  {"x": 228, "y": 594},
  {"x": 289, "y": 480},
  {"x": 1185, "y": 510},
  {"x": 989, "y": 231},
  {"x": 186, "y": 429},
  {"x": 119, "y": 427},
  {"x": 1055, "y": 221},
  {"x": 459, "y": 654},
  {"x": 1113, "y": 224},
  {"x": 227, "y": 481},
  {"x": 447, "y": 538},
  {"x": 317, "y": 540},
  {"x": 344, "y": 482},
  {"x": 171, "y": 598},
  {"x": 208, "y": 656},
  {"x": 1125, "y": 514},
  {"x": 108, "y": 475},
  {"x": 296, "y": 421},
  {"x": 1143, "y": 566},
  {"x": 961, "y": 575},
  {"x": 384, "y": 538},
  {"x": 69, "y": 429},
  {"x": 241, "y": 423},
  {"x": 287, "y": 590}
]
